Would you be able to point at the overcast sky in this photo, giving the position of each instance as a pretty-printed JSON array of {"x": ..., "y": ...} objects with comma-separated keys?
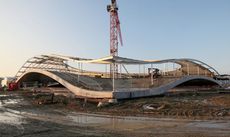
[{"x": 152, "y": 29}]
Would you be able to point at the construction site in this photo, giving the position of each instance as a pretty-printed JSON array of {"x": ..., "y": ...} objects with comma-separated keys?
[
  {"x": 113, "y": 77},
  {"x": 115, "y": 96},
  {"x": 133, "y": 79}
]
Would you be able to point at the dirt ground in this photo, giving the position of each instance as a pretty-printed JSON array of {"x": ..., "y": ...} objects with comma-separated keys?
[
  {"x": 199, "y": 105},
  {"x": 190, "y": 114}
]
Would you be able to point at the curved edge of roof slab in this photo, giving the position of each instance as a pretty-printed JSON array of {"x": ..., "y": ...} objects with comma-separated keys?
[
  {"x": 136, "y": 93},
  {"x": 100, "y": 85}
]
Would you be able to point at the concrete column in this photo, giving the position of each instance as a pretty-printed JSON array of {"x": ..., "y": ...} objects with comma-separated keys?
[
  {"x": 144, "y": 69},
  {"x": 113, "y": 78},
  {"x": 187, "y": 69},
  {"x": 120, "y": 70},
  {"x": 174, "y": 74},
  {"x": 151, "y": 74},
  {"x": 139, "y": 69}
]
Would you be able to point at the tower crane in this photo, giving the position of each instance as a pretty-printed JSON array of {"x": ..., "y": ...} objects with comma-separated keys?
[{"x": 115, "y": 33}]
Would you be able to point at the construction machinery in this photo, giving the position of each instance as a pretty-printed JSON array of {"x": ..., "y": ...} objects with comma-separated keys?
[
  {"x": 12, "y": 86},
  {"x": 115, "y": 32}
]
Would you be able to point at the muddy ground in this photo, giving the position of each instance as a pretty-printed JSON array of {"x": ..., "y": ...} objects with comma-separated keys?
[{"x": 190, "y": 114}]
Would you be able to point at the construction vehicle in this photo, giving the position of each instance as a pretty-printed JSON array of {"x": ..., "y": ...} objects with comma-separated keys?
[{"x": 12, "y": 86}]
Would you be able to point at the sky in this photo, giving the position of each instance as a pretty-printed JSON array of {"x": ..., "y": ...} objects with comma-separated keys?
[{"x": 151, "y": 29}]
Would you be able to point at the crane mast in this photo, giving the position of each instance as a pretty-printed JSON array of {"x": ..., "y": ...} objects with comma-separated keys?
[{"x": 115, "y": 33}]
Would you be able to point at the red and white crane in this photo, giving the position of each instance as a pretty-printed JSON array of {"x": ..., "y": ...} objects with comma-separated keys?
[
  {"x": 115, "y": 29},
  {"x": 115, "y": 33}
]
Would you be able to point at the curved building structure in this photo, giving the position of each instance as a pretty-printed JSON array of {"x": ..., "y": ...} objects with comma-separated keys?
[{"x": 135, "y": 78}]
